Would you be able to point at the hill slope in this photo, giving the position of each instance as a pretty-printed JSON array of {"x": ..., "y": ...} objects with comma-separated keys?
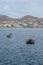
[
  {"x": 27, "y": 18},
  {"x": 25, "y": 21}
]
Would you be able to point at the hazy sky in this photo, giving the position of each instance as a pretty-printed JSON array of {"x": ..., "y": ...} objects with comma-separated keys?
[{"x": 19, "y": 8}]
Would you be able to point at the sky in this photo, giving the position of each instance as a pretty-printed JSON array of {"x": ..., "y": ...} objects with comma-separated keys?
[{"x": 19, "y": 8}]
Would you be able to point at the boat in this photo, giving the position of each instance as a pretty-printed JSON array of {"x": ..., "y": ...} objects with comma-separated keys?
[
  {"x": 9, "y": 35},
  {"x": 30, "y": 41}
]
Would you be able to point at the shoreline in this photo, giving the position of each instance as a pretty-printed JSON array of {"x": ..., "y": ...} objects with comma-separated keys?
[{"x": 21, "y": 27}]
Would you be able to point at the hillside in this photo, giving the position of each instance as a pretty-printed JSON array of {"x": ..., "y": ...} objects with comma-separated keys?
[
  {"x": 5, "y": 18},
  {"x": 25, "y": 21},
  {"x": 27, "y": 18}
]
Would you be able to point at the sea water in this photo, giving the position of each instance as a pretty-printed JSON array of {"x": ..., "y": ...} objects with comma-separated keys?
[{"x": 15, "y": 51}]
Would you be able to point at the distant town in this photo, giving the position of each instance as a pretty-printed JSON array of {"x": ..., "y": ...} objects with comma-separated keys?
[{"x": 26, "y": 21}]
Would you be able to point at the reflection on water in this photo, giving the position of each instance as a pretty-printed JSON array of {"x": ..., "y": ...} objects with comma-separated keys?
[{"x": 15, "y": 51}]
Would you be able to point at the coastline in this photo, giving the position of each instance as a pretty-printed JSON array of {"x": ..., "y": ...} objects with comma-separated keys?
[{"x": 20, "y": 27}]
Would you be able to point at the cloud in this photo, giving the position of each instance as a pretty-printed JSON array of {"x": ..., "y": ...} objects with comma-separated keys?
[
  {"x": 16, "y": 0},
  {"x": 6, "y": 8}
]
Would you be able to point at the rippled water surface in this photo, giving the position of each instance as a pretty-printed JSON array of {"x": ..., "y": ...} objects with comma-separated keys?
[{"x": 15, "y": 51}]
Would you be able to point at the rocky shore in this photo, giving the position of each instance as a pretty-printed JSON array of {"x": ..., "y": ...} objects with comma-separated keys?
[{"x": 22, "y": 24}]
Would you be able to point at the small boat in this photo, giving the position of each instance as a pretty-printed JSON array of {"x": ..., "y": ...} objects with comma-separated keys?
[
  {"x": 9, "y": 35},
  {"x": 30, "y": 41}
]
